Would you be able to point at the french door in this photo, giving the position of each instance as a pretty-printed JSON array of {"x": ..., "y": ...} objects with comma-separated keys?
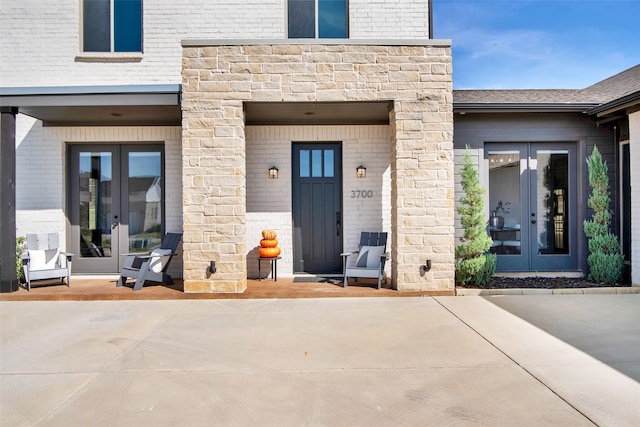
[
  {"x": 116, "y": 203},
  {"x": 533, "y": 199},
  {"x": 317, "y": 201}
]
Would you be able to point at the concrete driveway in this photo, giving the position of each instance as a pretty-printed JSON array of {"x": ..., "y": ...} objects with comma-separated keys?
[{"x": 496, "y": 361}]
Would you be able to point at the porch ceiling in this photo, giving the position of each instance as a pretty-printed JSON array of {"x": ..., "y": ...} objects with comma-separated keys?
[
  {"x": 115, "y": 115},
  {"x": 317, "y": 113}
]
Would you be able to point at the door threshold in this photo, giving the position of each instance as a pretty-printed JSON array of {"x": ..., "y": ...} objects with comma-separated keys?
[{"x": 308, "y": 275}]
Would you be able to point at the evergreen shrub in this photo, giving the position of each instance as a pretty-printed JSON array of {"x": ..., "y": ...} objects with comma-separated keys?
[
  {"x": 605, "y": 258},
  {"x": 473, "y": 264}
]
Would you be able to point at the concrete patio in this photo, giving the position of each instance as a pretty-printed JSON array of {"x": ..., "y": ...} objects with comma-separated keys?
[{"x": 499, "y": 360}]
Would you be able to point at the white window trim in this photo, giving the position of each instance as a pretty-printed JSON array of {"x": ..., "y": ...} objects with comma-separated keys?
[{"x": 109, "y": 57}]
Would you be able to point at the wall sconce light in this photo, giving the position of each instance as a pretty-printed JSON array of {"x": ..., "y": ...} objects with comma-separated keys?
[
  {"x": 273, "y": 172},
  {"x": 361, "y": 172}
]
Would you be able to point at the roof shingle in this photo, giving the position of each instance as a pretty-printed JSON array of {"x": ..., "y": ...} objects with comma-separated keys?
[{"x": 607, "y": 90}]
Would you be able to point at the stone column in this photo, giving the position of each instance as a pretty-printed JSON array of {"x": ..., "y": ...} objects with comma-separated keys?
[
  {"x": 422, "y": 193},
  {"x": 214, "y": 178}
]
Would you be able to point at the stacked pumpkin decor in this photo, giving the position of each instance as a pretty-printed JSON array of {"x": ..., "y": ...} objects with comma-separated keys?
[{"x": 269, "y": 244}]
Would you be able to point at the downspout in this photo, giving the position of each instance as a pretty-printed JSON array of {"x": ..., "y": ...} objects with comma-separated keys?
[{"x": 430, "y": 19}]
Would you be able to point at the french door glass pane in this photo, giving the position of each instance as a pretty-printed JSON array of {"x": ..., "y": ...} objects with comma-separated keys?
[
  {"x": 505, "y": 202},
  {"x": 552, "y": 191},
  {"x": 145, "y": 201},
  {"x": 95, "y": 180}
]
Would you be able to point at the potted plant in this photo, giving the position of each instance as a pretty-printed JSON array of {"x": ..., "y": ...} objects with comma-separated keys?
[{"x": 496, "y": 220}]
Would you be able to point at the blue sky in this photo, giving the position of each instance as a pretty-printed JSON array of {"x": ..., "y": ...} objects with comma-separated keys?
[{"x": 538, "y": 44}]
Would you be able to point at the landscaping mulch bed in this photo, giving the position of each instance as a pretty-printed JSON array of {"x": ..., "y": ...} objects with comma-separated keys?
[{"x": 541, "y": 283}]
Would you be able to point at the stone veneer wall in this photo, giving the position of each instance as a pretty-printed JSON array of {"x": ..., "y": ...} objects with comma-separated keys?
[{"x": 218, "y": 77}]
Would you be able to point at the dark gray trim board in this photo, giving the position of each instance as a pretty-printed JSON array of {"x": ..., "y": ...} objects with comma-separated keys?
[
  {"x": 480, "y": 107},
  {"x": 131, "y": 105}
]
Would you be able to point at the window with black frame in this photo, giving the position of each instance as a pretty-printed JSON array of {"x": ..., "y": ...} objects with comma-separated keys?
[
  {"x": 112, "y": 25},
  {"x": 324, "y": 19}
]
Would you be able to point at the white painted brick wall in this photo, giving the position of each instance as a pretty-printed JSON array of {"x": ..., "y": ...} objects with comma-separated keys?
[
  {"x": 41, "y": 172},
  {"x": 41, "y": 39},
  {"x": 634, "y": 149},
  {"x": 269, "y": 200},
  {"x": 396, "y": 19}
]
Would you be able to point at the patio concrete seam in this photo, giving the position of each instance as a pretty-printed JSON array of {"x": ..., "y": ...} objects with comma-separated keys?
[
  {"x": 516, "y": 363},
  {"x": 151, "y": 330},
  {"x": 71, "y": 396},
  {"x": 105, "y": 369}
]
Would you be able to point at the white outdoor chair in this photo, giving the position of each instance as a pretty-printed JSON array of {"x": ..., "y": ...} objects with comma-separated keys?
[
  {"x": 152, "y": 265},
  {"x": 368, "y": 262},
  {"x": 43, "y": 259}
]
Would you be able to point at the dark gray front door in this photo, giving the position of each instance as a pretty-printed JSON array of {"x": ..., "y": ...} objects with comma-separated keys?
[
  {"x": 532, "y": 187},
  {"x": 317, "y": 207}
]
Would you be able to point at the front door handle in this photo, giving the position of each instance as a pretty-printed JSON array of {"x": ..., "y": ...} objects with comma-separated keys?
[{"x": 338, "y": 224}]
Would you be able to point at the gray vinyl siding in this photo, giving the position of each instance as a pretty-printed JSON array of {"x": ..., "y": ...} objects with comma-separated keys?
[{"x": 473, "y": 130}]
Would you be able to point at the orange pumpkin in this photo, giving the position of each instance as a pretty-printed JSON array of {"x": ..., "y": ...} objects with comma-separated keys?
[
  {"x": 269, "y": 234},
  {"x": 269, "y": 252},
  {"x": 269, "y": 243}
]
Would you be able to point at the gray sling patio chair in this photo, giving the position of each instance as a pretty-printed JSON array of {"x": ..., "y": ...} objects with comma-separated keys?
[
  {"x": 368, "y": 262},
  {"x": 152, "y": 265},
  {"x": 43, "y": 259}
]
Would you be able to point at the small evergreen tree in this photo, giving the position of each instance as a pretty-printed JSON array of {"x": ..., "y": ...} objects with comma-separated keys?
[
  {"x": 473, "y": 264},
  {"x": 605, "y": 258}
]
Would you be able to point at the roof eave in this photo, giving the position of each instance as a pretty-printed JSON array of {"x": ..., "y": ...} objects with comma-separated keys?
[
  {"x": 627, "y": 101},
  {"x": 507, "y": 107},
  {"x": 162, "y": 94}
]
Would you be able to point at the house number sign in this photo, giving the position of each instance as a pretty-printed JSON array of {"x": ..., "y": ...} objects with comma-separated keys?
[{"x": 361, "y": 194}]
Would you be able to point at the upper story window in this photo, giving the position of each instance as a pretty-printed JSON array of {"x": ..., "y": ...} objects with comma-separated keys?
[
  {"x": 324, "y": 19},
  {"x": 112, "y": 25}
]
